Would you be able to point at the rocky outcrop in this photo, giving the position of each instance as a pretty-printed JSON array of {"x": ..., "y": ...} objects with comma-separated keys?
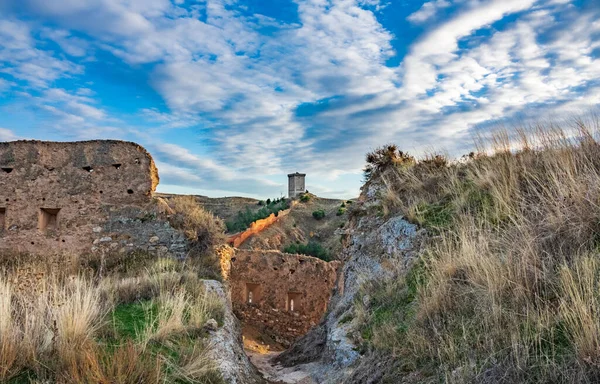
[
  {"x": 375, "y": 248},
  {"x": 225, "y": 344}
]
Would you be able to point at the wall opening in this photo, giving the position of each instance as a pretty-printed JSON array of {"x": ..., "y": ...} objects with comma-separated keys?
[
  {"x": 7, "y": 169},
  {"x": 87, "y": 168},
  {"x": 253, "y": 293},
  {"x": 117, "y": 166},
  {"x": 2, "y": 219},
  {"x": 293, "y": 302},
  {"x": 130, "y": 191},
  {"x": 48, "y": 219}
]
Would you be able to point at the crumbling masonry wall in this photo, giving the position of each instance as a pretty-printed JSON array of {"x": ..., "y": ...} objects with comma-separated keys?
[
  {"x": 59, "y": 196},
  {"x": 283, "y": 294}
]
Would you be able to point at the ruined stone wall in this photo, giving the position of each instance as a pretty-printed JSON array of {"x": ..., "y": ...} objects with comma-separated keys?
[
  {"x": 264, "y": 283},
  {"x": 59, "y": 196}
]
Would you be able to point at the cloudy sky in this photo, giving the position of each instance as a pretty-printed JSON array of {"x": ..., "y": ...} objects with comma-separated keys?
[{"x": 231, "y": 95}]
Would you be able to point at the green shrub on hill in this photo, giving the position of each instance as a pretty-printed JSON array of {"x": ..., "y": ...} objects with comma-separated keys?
[
  {"x": 319, "y": 214},
  {"x": 311, "y": 249}
]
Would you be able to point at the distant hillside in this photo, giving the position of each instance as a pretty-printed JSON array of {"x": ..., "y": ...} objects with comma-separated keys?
[
  {"x": 224, "y": 207},
  {"x": 300, "y": 226}
]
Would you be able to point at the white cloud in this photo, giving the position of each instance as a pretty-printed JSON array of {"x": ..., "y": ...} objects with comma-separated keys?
[
  {"x": 7, "y": 135},
  {"x": 427, "y": 11},
  {"x": 243, "y": 88}
]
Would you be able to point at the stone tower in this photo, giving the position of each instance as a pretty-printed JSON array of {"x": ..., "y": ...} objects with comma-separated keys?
[{"x": 296, "y": 184}]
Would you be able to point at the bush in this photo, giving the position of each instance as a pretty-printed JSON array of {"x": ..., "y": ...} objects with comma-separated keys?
[
  {"x": 384, "y": 157},
  {"x": 202, "y": 228},
  {"x": 311, "y": 249},
  {"x": 305, "y": 198},
  {"x": 340, "y": 211},
  {"x": 319, "y": 214}
]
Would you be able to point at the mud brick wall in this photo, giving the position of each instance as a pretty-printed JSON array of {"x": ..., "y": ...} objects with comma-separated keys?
[
  {"x": 276, "y": 282},
  {"x": 58, "y": 196}
]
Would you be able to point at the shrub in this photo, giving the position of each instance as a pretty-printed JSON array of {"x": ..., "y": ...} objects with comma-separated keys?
[
  {"x": 311, "y": 249},
  {"x": 384, "y": 157},
  {"x": 305, "y": 198},
  {"x": 201, "y": 227},
  {"x": 341, "y": 211},
  {"x": 319, "y": 214}
]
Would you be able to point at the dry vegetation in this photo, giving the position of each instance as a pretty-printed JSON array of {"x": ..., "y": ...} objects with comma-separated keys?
[
  {"x": 108, "y": 318},
  {"x": 507, "y": 288}
]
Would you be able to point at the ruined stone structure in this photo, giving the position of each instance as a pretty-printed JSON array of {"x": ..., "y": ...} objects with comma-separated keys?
[
  {"x": 296, "y": 184},
  {"x": 69, "y": 197},
  {"x": 283, "y": 294}
]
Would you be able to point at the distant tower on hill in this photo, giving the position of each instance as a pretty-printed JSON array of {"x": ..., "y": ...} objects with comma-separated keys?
[{"x": 296, "y": 184}]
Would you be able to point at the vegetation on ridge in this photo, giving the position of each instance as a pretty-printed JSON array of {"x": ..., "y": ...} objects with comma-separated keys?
[
  {"x": 246, "y": 217},
  {"x": 508, "y": 288}
]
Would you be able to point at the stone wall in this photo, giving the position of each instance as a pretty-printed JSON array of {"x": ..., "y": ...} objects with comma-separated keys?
[
  {"x": 282, "y": 293},
  {"x": 61, "y": 197}
]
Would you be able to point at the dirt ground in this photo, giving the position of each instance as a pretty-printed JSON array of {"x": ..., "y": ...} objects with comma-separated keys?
[{"x": 276, "y": 374}]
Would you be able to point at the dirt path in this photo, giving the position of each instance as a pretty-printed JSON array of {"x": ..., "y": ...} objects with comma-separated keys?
[{"x": 277, "y": 374}]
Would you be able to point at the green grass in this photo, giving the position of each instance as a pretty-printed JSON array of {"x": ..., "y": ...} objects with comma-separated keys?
[{"x": 131, "y": 319}]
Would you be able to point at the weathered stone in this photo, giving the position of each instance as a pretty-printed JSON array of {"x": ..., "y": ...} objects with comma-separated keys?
[
  {"x": 297, "y": 287},
  {"x": 211, "y": 325},
  {"x": 67, "y": 188},
  {"x": 106, "y": 239},
  {"x": 154, "y": 240}
]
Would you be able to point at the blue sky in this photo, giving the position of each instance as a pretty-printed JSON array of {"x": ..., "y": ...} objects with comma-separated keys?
[{"x": 230, "y": 96}]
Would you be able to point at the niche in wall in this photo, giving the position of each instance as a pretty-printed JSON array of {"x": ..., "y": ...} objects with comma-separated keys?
[
  {"x": 48, "y": 219},
  {"x": 253, "y": 293},
  {"x": 2, "y": 219},
  {"x": 294, "y": 302}
]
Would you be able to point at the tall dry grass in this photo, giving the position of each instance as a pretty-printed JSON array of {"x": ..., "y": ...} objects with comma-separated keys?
[
  {"x": 59, "y": 326},
  {"x": 507, "y": 290}
]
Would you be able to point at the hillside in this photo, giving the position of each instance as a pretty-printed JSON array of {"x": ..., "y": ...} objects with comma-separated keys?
[
  {"x": 299, "y": 226},
  {"x": 483, "y": 270},
  {"x": 225, "y": 208}
]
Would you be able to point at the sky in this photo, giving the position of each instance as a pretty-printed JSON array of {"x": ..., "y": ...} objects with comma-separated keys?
[{"x": 229, "y": 96}]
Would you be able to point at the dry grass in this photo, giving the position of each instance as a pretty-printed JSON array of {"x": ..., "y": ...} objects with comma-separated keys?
[
  {"x": 70, "y": 327},
  {"x": 203, "y": 230},
  {"x": 508, "y": 289}
]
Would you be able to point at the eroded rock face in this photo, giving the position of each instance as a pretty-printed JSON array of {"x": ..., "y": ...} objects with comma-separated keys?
[
  {"x": 283, "y": 294},
  {"x": 57, "y": 197}
]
